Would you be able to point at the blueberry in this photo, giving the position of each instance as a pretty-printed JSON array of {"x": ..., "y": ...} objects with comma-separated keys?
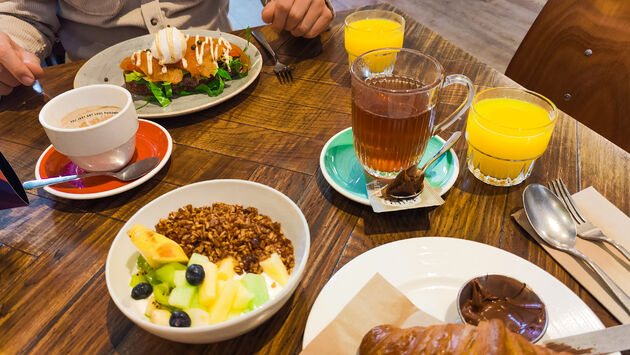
[
  {"x": 141, "y": 290},
  {"x": 195, "y": 274},
  {"x": 179, "y": 319}
]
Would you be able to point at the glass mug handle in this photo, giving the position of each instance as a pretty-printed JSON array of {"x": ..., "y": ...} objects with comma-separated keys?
[{"x": 462, "y": 80}]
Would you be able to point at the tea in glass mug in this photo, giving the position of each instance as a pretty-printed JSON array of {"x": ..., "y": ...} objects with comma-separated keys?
[{"x": 394, "y": 94}]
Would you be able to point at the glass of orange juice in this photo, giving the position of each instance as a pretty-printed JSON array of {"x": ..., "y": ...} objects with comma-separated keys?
[
  {"x": 507, "y": 130},
  {"x": 372, "y": 29}
]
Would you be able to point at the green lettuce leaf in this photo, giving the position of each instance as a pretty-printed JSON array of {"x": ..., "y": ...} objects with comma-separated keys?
[
  {"x": 222, "y": 73},
  {"x": 159, "y": 94}
]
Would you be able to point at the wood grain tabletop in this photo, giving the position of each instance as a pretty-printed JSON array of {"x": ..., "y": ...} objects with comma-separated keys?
[{"x": 53, "y": 296}]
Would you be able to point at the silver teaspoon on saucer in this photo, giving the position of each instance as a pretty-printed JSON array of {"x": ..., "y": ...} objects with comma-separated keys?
[
  {"x": 416, "y": 173},
  {"x": 552, "y": 222},
  {"x": 130, "y": 172}
]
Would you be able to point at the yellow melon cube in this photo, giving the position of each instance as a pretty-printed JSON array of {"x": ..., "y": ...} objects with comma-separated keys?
[
  {"x": 198, "y": 317},
  {"x": 222, "y": 305},
  {"x": 226, "y": 269},
  {"x": 274, "y": 267},
  {"x": 208, "y": 288}
]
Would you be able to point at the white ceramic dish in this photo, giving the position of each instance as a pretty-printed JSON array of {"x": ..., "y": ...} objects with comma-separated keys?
[
  {"x": 123, "y": 254},
  {"x": 430, "y": 272},
  {"x": 106, "y": 64}
]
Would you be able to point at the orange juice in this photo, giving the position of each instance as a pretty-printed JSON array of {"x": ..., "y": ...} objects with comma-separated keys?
[
  {"x": 505, "y": 136},
  {"x": 372, "y": 33}
]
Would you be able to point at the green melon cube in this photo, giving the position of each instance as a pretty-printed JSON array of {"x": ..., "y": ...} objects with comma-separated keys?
[
  {"x": 179, "y": 278},
  {"x": 166, "y": 273},
  {"x": 258, "y": 287},
  {"x": 182, "y": 296},
  {"x": 198, "y": 259}
]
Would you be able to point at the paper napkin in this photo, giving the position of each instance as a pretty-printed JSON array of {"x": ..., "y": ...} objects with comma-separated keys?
[
  {"x": 378, "y": 302},
  {"x": 616, "y": 225}
]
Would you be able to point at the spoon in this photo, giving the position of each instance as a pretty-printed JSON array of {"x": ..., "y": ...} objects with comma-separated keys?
[
  {"x": 552, "y": 222},
  {"x": 420, "y": 173},
  {"x": 131, "y": 172}
]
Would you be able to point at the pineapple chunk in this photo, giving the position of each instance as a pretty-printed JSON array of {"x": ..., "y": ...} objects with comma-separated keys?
[
  {"x": 208, "y": 289},
  {"x": 275, "y": 269},
  {"x": 160, "y": 316},
  {"x": 241, "y": 301},
  {"x": 221, "y": 307},
  {"x": 156, "y": 248},
  {"x": 226, "y": 269},
  {"x": 198, "y": 317}
]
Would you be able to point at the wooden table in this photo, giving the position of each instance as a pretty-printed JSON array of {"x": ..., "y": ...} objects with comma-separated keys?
[{"x": 52, "y": 254}]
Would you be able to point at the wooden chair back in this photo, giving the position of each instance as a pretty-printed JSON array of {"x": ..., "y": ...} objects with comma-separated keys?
[{"x": 577, "y": 53}]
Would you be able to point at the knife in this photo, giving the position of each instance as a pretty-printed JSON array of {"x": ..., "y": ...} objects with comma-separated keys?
[{"x": 602, "y": 341}]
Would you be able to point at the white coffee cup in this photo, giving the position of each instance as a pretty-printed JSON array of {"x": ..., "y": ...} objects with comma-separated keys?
[{"x": 107, "y": 145}]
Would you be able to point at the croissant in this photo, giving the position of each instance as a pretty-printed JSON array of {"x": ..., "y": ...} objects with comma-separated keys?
[{"x": 488, "y": 338}]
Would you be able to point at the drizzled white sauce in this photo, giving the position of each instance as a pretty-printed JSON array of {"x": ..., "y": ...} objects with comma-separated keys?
[
  {"x": 224, "y": 42},
  {"x": 149, "y": 63}
]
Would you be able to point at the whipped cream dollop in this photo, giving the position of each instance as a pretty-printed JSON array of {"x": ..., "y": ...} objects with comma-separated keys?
[{"x": 169, "y": 45}]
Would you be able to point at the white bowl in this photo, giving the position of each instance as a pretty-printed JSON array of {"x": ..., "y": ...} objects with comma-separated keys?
[{"x": 123, "y": 254}]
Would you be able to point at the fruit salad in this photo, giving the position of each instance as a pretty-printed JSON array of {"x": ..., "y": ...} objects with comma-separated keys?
[{"x": 174, "y": 290}]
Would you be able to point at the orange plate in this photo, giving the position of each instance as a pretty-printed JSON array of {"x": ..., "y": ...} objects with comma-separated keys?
[{"x": 151, "y": 141}]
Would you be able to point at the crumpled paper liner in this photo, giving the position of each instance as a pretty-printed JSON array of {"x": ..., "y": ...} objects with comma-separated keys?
[
  {"x": 430, "y": 196},
  {"x": 378, "y": 302}
]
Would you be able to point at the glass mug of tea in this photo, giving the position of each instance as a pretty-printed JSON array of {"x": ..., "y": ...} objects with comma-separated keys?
[{"x": 394, "y": 94}]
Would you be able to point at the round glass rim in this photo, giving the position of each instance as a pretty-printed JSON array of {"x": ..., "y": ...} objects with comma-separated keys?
[
  {"x": 554, "y": 109},
  {"x": 401, "y": 21},
  {"x": 423, "y": 88}
]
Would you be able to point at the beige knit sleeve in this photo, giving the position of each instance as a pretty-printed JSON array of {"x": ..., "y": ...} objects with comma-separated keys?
[{"x": 32, "y": 24}]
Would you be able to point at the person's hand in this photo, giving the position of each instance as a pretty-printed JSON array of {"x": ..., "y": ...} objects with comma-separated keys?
[
  {"x": 17, "y": 66},
  {"x": 303, "y": 18}
]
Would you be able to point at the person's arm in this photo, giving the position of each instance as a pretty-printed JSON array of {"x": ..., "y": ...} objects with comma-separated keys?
[
  {"x": 27, "y": 33},
  {"x": 303, "y": 18}
]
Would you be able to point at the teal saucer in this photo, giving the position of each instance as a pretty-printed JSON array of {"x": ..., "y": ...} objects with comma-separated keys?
[{"x": 344, "y": 173}]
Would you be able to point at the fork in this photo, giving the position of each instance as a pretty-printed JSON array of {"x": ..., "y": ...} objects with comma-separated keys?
[
  {"x": 282, "y": 71},
  {"x": 585, "y": 229}
]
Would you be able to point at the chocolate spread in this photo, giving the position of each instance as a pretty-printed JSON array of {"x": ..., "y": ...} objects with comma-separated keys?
[
  {"x": 407, "y": 183},
  {"x": 496, "y": 296}
]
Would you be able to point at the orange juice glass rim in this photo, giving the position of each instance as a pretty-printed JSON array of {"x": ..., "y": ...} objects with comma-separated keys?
[
  {"x": 553, "y": 112},
  {"x": 401, "y": 19},
  {"x": 425, "y": 87}
]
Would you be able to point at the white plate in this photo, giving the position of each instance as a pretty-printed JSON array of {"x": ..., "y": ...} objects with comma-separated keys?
[
  {"x": 116, "y": 191},
  {"x": 106, "y": 64},
  {"x": 431, "y": 270}
]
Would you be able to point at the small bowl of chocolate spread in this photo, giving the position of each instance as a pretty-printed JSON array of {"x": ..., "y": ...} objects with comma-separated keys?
[{"x": 497, "y": 296}]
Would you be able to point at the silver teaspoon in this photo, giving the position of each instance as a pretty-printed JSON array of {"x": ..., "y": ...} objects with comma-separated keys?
[
  {"x": 131, "y": 172},
  {"x": 552, "y": 222}
]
